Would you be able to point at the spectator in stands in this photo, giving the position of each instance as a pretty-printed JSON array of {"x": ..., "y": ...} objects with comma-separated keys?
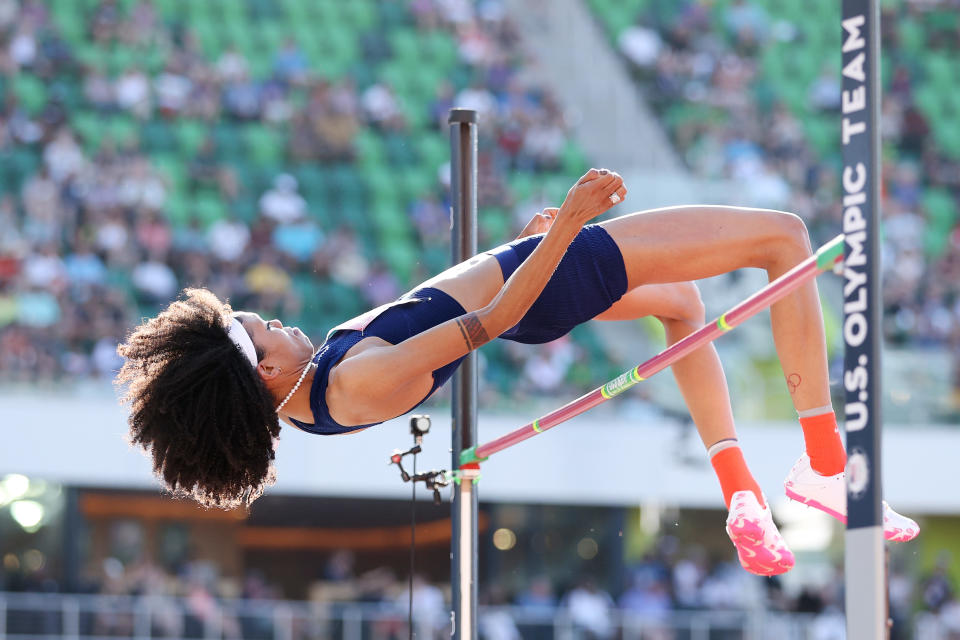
[
  {"x": 538, "y": 596},
  {"x": 133, "y": 92},
  {"x": 937, "y": 589},
  {"x": 299, "y": 239},
  {"x": 63, "y": 156},
  {"x": 23, "y": 46},
  {"x": 290, "y": 64},
  {"x": 154, "y": 281},
  {"x": 142, "y": 27},
  {"x": 640, "y": 45},
  {"x": 44, "y": 211},
  {"x": 99, "y": 90},
  {"x": 283, "y": 204},
  {"x": 431, "y": 619},
  {"x": 228, "y": 239},
  {"x": 241, "y": 98},
  {"x": 546, "y": 367},
  {"x": 105, "y": 22},
  {"x": 335, "y": 129},
  {"x": 172, "y": 88},
  {"x": 277, "y": 108},
  {"x": 232, "y": 65},
  {"x": 590, "y": 609}
]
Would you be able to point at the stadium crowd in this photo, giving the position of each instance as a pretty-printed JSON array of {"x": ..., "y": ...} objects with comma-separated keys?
[
  {"x": 707, "y": 57},
  {"x": 89, "y": 243}
]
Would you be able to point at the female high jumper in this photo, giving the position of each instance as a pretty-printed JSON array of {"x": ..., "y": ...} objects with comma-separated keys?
[{"x": 207, "y": 384}]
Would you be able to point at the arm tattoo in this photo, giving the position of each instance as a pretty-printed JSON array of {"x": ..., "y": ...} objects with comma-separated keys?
[{"x": 472, "y": 330}]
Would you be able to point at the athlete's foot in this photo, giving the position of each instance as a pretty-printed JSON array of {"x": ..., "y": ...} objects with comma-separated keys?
[
  {"x": 759, "y": 545},
  {"x": 829, "y": 494}
]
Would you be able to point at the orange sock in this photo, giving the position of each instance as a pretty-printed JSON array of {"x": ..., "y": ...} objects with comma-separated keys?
[
  {"x": 734, "y": 475},
  {"x": 822, "y": 437}
]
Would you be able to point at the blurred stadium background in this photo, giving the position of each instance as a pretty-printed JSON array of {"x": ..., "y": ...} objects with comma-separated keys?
[{"x": 292, "y": 156}]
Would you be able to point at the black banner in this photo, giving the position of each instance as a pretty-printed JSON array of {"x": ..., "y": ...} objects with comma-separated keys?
[{"x": 862, "y": 307}]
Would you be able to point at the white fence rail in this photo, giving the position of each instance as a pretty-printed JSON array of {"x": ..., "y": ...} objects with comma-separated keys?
[{"x": 36, "y": 616}]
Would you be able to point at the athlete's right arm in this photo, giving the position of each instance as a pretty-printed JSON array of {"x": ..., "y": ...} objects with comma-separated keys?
[{"x": 386, "y": 370}]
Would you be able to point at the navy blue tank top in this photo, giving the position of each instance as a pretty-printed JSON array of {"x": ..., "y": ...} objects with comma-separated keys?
[{"x": 414, "y": 313}]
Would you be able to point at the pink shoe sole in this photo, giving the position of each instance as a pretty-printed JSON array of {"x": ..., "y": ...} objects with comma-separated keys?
[{"x": 747, "y": 537}]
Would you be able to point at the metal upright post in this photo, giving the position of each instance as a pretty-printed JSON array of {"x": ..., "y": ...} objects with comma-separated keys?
[
  {"x": 866, "y": 580},
  {"x": 463, "y": 192}
]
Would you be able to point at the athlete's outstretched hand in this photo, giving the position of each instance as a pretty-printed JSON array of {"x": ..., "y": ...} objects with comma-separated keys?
[
  {"x": 540, "y": 223},
  {"x": 593, "y": 194}
]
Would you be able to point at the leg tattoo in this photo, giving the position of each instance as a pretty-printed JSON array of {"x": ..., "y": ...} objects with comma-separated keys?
[{"x": 793, "y": 381}]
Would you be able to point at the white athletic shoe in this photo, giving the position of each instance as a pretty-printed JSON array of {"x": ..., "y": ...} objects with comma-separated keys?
[
  {"x": 829, "y": 494},
  {"x": 759, "y": 545}
]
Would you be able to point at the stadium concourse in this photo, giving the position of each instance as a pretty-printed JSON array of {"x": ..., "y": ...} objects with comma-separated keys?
[{"x": 291, "y": 156}]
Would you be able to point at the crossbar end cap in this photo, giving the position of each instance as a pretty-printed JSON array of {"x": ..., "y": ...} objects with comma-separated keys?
[{"x": 463, "y": 116}]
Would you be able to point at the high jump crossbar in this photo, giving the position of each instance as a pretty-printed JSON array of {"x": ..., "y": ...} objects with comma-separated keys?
[{"x": 825, "y": 258}]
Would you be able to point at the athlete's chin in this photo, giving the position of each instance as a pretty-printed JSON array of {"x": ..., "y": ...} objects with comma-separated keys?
[{"x": 307, "y": 343}]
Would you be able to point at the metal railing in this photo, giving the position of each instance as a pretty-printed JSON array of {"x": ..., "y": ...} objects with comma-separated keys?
[{"x": 36, "y": 616}]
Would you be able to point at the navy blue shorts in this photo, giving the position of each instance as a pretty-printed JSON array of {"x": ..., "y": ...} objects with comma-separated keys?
[{"x": 591, "y": 276}]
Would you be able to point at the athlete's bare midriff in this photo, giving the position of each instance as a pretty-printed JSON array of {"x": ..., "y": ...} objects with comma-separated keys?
[{"x": 473, "y": 283}]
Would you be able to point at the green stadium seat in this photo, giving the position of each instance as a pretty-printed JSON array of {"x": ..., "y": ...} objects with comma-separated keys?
[
  {"x": 495, "y": 224},
  {"x": 416, "y": 181},
  {"x": 208, "y": 207},
  {"x": 948, "y": 137},
  {"x": 89, "y": 127},
  {"x": 190, "y": 135},
  {"x": 443, "y": 49},
  {"x": 406, "y": 44},
  {"x": 433, "y": 150},
  {"x": 177, "y": 209},
  {"x": 393, "y": 15},
  {"x": 30, "y": 91},
  {"x": 157, "y": 136},
  {"x": 173, "y": 169},
  {"x": 210, "y": 36},
  {"x": 120, "y": 58},
  {"x": 370, "y": 148},
  {"x": 361, "y": 13},
  {"x": 823, "y": 135},
  {"x": 228, "y": 139},
  {"x": 573, "y": 160},
  {"x": 913, "y": 37},
  {"x": 123, "y": 131},
  {"x": 940, "y": 207},
  {"x": 380, "y": 182},
  {"x": 400, "y": 149},
  {"x": 18, "y": 166},
  {"x": 263, "y": 10},
  {"x": 265, "y": 146},
  {"x": 272, "y": 36}
]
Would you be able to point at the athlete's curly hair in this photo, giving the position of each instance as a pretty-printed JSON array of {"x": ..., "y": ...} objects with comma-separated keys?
[{"x": 197, "y": 406}]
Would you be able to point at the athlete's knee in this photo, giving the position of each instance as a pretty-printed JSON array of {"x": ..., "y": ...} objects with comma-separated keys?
[
  {"x": 685, "y": 305},
  {"x": 788, "y": 242}
]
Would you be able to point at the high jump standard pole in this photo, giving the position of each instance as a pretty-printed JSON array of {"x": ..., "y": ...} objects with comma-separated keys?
[
  {"x": 865, "y": 568},
  {"x": 463, "y": 236}
]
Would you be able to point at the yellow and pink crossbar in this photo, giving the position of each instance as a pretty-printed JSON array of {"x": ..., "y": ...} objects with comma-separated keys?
[{"x": 824, "y": 259}]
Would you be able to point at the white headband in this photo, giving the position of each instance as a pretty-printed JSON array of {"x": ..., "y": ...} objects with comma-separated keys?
[{"x": 239, "y": 336}]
